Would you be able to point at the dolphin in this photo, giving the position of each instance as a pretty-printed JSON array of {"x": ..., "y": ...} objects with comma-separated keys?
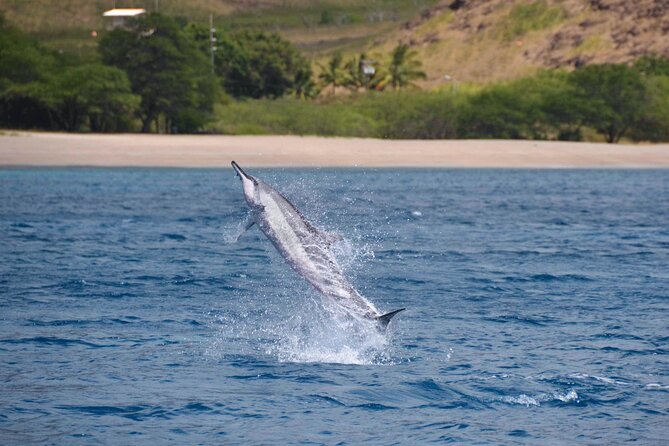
[{"x": 305, "y": 247}]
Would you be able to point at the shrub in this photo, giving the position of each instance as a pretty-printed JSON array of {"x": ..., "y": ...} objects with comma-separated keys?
[
  {"x": 653, "y": 124},
  {"x": 256, "y": 64},
  {"x": 412, "y": 115},
  {"x": 611, "y": 97}
]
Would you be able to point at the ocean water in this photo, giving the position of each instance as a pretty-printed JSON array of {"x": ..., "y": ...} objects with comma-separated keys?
[{"x": 537, "y": 309}]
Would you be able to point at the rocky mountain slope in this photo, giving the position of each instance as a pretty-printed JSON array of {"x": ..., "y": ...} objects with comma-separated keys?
[{"x": 483, "y": 40}]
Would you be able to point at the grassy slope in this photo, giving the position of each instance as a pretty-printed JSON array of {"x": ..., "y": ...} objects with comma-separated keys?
[
  {"x": 497, "y": 49},
  {"x": 318, "y": 27},
  {"x": 484, "y": 41},
  {"x": 504, "y": 39}
]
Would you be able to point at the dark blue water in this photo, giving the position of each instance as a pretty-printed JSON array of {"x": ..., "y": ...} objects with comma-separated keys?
[{"x": 538, "y": 309}]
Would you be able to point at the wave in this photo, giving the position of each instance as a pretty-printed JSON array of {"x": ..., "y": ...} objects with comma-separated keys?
[
  {"x": 536, "y": 400},
  {"x": 55, "y": 341}
]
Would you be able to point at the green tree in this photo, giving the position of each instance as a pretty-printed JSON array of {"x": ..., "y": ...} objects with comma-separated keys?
[
  {"x": 654, "y": 122},
  {"x": 93, "y": 95},
  {"x": 332, "y": 73},
  {"x": 166, "y": 68},
  {"x": 256, "y": 64},
  {"x": 551, "y": 107},
  {"x": 495, "y": 112},
  {"x": 612, "y": 97},
  {"x": 560, "y": 107},
  {"x": 404, "y": 68},
  {"x": 24, "y": 64},
  {"x": 652, "y": 65}
]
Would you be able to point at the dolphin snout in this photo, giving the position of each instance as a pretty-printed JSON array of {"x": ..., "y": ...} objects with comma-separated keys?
[{"x": 239, "y": 170}]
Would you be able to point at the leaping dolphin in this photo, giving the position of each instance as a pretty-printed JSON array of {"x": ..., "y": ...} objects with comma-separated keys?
[{"x": 305, "y": 247}]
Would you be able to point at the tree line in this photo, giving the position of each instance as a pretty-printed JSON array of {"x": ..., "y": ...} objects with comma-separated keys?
[
  {"x": 156, "y": 70},
  {"x": 156, "y": 75},
  {"x": 361, "y": 72},
  {"x": 597, "y": 102}
]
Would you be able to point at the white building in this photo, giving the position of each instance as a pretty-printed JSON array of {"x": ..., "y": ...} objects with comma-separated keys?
[{"x": 117, "y": 17}]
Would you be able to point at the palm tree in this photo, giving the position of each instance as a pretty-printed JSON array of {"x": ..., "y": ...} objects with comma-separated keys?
[
  {"x": 360, "y": 72},
  {"x": 332, "y": 73},
  {"x": 404, "y": 68}
]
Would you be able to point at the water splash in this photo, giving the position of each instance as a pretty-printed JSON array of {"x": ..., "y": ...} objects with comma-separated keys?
[
  {"x": 332, "y": 336},
  {"x": 307, "y": 332}
]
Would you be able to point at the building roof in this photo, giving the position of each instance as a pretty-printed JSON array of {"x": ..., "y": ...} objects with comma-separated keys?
[{"x": 124, "y": 12}]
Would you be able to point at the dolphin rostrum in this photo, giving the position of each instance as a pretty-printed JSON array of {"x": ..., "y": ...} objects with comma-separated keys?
[{"x": 305, "y": 247}]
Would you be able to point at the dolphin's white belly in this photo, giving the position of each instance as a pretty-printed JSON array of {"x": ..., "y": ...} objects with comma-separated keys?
[{"x": 308, "y": 253}]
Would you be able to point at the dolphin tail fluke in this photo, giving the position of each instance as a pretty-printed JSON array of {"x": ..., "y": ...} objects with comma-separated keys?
[{"x": 384, "y": 319}]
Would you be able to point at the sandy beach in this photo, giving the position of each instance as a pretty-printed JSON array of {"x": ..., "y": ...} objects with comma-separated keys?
[{"x": 62, "y": 149}]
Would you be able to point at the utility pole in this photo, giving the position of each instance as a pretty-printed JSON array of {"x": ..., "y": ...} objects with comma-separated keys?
[{"x": 212, "y": 40}]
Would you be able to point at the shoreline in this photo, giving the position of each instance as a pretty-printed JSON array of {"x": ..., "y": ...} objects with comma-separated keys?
[{"x": 37, "y": 149}]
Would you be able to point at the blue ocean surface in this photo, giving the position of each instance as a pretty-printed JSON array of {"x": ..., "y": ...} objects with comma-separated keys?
[{"x": 537, "y": 309}]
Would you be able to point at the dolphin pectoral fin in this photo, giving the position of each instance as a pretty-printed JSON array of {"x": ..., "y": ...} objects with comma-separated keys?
[
  {"x": 247, "y": 225},
  {"x": 384, "y": 319}
]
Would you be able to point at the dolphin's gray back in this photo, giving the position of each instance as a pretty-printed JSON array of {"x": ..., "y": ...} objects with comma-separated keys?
[{"x": 307, "y": 249}]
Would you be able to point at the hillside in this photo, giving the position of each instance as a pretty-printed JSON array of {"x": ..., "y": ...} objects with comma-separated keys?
[
  {"x": 468, "y": 40},
  {"x": 484, "y": 40},
  {"x": 316, "y": 26}
]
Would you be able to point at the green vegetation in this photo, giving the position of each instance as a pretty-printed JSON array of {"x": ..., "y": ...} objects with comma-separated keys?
[
  {"x": 553, "y": 105},
  {"x": 255, "y": 64},
  {"x": 339, "y": 117},
  {"x": 429, "y": 115},
  {"x": 39, "y": 88},
  {"x": 166, "y": 68},
  {"x": 309, "y": 14},
  {"x": 611, "y": 97},
  {"x": 94, "y": 96},
  {"x": 532, "y": 16},
  {"x": 360, "y": 73},
  {"x": 157, "y": 75},
  {"x": 404, "y": 68},
  {"x": 654, "y": 122},
  {"x": 332, "y": 73},
  {"x": 652, "y": 65}
]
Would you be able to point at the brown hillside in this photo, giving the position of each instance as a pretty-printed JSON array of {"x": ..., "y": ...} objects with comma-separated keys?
[{"x": 483, "y": 40}]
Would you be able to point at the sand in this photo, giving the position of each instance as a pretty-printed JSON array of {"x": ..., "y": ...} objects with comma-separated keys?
[{"x": 62, "y": 149}]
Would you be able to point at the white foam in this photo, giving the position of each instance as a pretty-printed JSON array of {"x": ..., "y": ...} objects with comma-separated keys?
[
  {"x": 536, "y": 400},
  {"x": 298, "y": 329},
  {"x": 597, "y": 378},
  {"x": 568, "y": 397},
  {"x": 521, "y": 399},
  {"x": 331, "y": 337},
  {"x": 655, "y": 386}
]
